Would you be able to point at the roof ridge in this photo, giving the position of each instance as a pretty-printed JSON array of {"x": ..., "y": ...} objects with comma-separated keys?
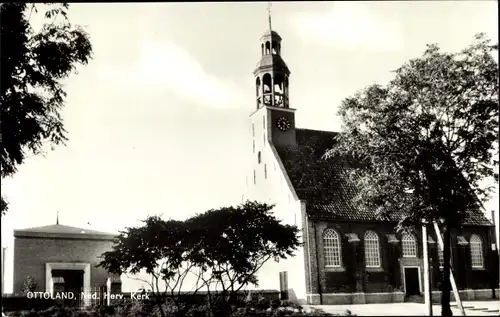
[{"x": 59, "y": 226}]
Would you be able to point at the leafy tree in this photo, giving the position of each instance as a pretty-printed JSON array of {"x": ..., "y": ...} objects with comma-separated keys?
[
  {"x": 427, "y": 140},
  {"x": 33, "y": 65},
  {"x": 159, "y": 248},
  {"x": 222, "y": 248},
  {"x": 233, "y": 243}
]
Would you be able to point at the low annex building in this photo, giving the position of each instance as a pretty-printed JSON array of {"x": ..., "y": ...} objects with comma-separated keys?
[{"x": 62, "y": 259}]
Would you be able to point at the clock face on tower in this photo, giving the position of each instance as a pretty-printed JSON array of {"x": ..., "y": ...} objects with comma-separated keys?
[{"x": 283, "y": 124}]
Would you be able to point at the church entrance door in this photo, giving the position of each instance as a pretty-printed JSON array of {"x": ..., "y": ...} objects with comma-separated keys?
[{"x": 412, "y": 280}]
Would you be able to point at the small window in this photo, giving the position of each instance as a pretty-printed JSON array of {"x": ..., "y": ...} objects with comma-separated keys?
[
  {"x": 332, "y": 250},
  {"x": 409, "y": 245},
  {"x": 372, "y": 251},
  {"x": 265, "y": 171},
  {"x": 476, "y": 251},
  {"x": 258, "y": 158}
]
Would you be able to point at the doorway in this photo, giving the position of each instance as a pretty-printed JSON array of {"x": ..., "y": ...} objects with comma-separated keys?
[
  {"x": 412, "y": 280},
  {"x": 73, "y": 283}
]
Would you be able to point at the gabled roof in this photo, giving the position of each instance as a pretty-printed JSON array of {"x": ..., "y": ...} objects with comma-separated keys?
[
  {"x": 61, "y": 231},
  {"x": 324, "y": 184}
]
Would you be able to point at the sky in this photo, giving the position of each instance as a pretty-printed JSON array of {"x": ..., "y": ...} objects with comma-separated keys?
[{"x": 158, "y": 122}]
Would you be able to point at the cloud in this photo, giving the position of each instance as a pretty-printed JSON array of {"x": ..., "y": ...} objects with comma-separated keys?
[
  {"x": 348, "y": 25},
  {"x": 167, "y": 66}
]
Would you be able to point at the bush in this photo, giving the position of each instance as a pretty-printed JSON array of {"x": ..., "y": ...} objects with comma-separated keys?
[
  {"x": 53, "y": 312},
  {"x": 255, "y": 308},
  {"x": 29, "y": 285},
  {"x": 22, "y": 303},
  {"x": 277, "y": 308}
]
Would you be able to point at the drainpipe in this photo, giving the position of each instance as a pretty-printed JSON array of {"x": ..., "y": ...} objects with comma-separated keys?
[
  {"x": 495, "y": 235},
  {"x": 492, "y": 255},
  {"x": 3, "y": 267},
  {"x": 317, "y": 263}
]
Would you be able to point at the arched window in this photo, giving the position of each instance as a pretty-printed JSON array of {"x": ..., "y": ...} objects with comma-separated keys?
[
  {"x": 268, "y": 48},
  {"x": 476, "y": 251},
  {"x": 274, "y": 47},
  {"x": 257, "y": 86},
  {"x": 372, "y": 252},
  {"x": 262, "y": 48},
  {"x": 331, "y": 244},
  {"x": 409, "y": 245},
  {"x": 258, "y": 158}
]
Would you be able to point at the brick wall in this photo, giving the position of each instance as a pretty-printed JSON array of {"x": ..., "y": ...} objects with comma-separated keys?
[
  {"x": 343, "y": 279},
  {"x": 31, "y": 254},
  {"x": 467, "y": 277},
  {"x": 390, "y": 276}
]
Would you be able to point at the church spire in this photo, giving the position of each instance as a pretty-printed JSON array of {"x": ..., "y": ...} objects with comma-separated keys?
[
  {"x": 269, "y": 10},
  {"x": 271, "y": 73},
  {"x": 57, "y": 218}
]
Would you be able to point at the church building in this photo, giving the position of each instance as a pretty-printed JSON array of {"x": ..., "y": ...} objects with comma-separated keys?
[{"x": 348, "y": 255}]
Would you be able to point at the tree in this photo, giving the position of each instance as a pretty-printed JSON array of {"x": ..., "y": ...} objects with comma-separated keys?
[
  {"x": 427, "y": 140},
  {"x": 223, "y": 249},
  {"x": 33, "y": 66},
  {"x": 160, "y": 248},
  {"x": 232, "y": 244}
]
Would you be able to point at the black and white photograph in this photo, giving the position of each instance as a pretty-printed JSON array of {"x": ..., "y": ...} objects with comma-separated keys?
[{"x": 233, "y": 159}]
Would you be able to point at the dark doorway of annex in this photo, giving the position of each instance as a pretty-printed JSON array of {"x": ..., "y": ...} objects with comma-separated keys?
[
  {"x": 412, "y": 277},
  {"x": 72, "y": 282}
]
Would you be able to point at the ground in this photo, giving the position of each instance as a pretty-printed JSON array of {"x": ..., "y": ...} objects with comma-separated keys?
[{"x": 475, "y": 308}]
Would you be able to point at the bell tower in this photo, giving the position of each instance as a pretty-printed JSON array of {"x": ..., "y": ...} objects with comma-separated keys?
[{"x": 272, "y": 92}]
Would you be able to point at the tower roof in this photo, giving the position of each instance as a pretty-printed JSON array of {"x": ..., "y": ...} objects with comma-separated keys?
[
  {"x": 272, "y": 61},
  {"x": 271, "y": 33}
]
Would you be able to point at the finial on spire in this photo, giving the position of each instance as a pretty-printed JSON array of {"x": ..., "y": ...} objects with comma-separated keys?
[
  {"x": 57, "y": 219},
  {"x": 269, "y": 10}
]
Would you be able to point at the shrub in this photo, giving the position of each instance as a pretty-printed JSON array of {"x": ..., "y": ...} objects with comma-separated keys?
[
  {"x": 29, "y": 285},
  {"x": 275, "y": 303},
  {"x": 22, "y": 303}
]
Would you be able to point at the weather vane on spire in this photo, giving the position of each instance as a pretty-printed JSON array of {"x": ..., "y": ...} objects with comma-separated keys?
[{"x": 269, "y": 10}]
